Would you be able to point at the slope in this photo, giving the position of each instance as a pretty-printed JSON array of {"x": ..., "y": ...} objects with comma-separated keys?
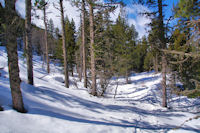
[{"x": 52, "y": 108}]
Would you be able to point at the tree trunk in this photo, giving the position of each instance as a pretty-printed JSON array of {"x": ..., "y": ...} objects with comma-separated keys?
[
  {"x": 93, "y": 69},
  {"x": 46, "y": 39},
  {"x": 72, "y": 70},
  {"x": 155, "y": 61},
  {"x": 164, "y": 67},
  {"x": 78, "y": 65},
  {"x": 127, "y": 81},
  {"x": 163, "y": 45},
  {"x": 64, "y": 45},
  {"x": 83, "y": 44},
  {"x": 11, "y": 46},
  {"x": 28, "y": 42}
]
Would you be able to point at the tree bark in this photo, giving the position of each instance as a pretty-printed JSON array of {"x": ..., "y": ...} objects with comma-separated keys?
[
  {"x": 64, "y": 45},
  {"x": 127, "y": 81},
  {"x": 83, "y": 44},
  {"x": 72, "y": 70},
  {"x": 11, "y": 46},
  {"x": 92, "y": 53},
  {"x": 164, "y": 86},
  {"x": 46, "y": 39},
  {"x": 163, "y": 45},
  {"x": 155, "y": 63},
  {"x": 78, "y": 63},
  {"x": 28, "y": 42}
]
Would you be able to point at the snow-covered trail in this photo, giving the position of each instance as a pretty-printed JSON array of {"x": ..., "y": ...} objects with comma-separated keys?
[{"x": 52, "y": 108}]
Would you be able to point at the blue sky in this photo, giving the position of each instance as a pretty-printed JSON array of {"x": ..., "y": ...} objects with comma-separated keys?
[
  {"x": 168, "y": 10},
  {"x": 139, "y": 21}
]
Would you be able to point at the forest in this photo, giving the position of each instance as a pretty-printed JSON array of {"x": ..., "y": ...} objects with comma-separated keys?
[{"x": 104, "y": 61}]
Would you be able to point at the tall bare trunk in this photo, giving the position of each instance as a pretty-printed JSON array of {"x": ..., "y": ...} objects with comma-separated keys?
[
  {"x": 28, "y": 42},
  {"x": 163, "y": 45},
  {"x": 64, "y": 45},
  {"x": 78, "y": 64},
  {"x": 164, "y": 66},
  {"x": 11, "y": 46},
  {"x": 127, "y": 81},
  {"x": 155, "y": 63},
  {"x": 72, "y": 69},
  {"x": 46, "y": 39},
  {"x": 93, "y": 69},
  {"x": 83, "y": 44}
]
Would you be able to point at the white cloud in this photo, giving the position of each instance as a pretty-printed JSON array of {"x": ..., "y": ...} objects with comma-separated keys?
[
  {"x": 115, "y": 14},
  {"x": 138, "y": 20},
  {"x": 52, "y": 13},
  {"x": 72, "y": 12}
]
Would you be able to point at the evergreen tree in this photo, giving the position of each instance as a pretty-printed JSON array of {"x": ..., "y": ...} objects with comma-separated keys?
[
  {"x": 103, "y": 48},
  {"x": 11, "y": 46},
  {"x": 28, "y": 42},
  {"x": 42, "y": 5},
  {"x": 92, "y": 49},
  {"x": 64, "y": 45},
  {"x": 83, "y": 30},
  {"x": 124, "y": 45},
  {"x": 183, "y": 41},
  {"x": 50, "y": 27},
  {"x": 140, "y": 54},
  {"x": 159, "y": 16},
  {"x": 186, "y": 10},
  {"x": 70, "y": 42}
]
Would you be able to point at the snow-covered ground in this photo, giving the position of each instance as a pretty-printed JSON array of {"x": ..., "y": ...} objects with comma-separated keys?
[{"x": 52, "y": 108}]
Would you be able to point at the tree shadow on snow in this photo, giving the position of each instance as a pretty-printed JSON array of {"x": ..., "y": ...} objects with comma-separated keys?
[{"x": 73, "y": 101}]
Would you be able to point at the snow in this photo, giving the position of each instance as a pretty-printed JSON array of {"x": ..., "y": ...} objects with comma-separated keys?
[{"x": 52, "y": 108}]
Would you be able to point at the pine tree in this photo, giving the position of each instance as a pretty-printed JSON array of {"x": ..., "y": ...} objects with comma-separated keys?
[
  {"x": 84, "y": 42},
  {"x": 184, "y": 49},
  {"x": 28, "y": 42},
  {"x": 70, "y": 43},
  {"x": 92, "y": 52},
  {"x": 64, "y": 45},
  {"x": 51, "y": 27},
  {"x": 11, "y": 46},
  {"x": 42, "y": 5},
  {"x": 124, "y": 44},
  {"x": 159, "y": 16},
  {"x": 154, "y": 43},
  {"x": 186, "y": 10},
  {"x": 140, "y": 52}
]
